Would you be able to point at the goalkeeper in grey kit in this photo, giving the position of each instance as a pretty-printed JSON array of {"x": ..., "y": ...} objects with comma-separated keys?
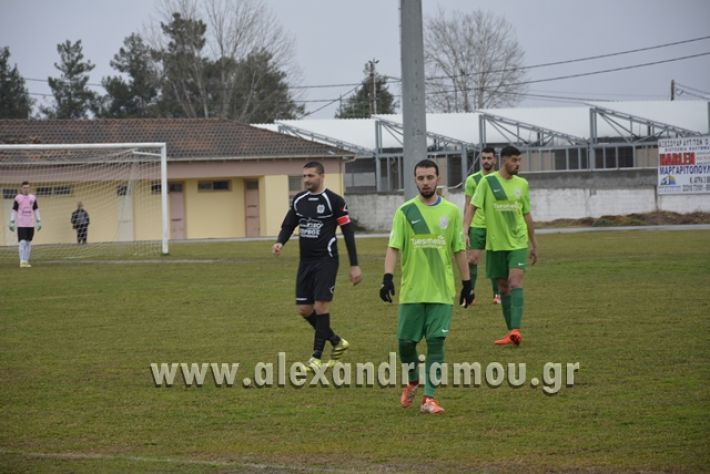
[{"x": 317, "y": 212}]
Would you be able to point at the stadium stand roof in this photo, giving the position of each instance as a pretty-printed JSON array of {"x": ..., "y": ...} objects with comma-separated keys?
[{"x": 692, "y": 116}]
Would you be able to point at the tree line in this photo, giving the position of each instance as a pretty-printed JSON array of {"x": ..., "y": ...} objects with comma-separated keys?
[{"x": 233, "y": 60}]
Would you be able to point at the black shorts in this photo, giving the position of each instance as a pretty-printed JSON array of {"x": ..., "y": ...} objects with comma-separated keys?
[
  {"x": 316, "y": 280},
  {"x": 25, "y": 233}
]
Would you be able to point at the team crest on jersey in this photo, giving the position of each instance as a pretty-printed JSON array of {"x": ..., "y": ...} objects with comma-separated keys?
[
  {"x": 517, "y": 193},
  {"x": 320, "y": 209},
  {"x": 444, "y": 222}
]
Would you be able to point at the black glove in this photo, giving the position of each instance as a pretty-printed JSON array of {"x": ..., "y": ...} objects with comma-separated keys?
[
  {"x": 467, "y": 296},
  {"x": 387, "y": 288}
]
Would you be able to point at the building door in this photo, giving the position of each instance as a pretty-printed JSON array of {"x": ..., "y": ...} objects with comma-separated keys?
[
  {"x": 177, "y": 211},
  {"x": 253, "y": 228}
]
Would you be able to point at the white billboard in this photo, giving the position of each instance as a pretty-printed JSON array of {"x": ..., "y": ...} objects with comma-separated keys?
[{"x": 684, "y": 165}]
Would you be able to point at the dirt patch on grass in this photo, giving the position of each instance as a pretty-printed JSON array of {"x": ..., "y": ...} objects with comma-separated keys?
[{"x": 650, "y": 218}]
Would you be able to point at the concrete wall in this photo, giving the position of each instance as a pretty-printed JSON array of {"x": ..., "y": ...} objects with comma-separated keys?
[{"x": 558, "y": 196}]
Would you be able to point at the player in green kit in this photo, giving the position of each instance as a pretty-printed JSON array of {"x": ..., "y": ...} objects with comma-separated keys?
[
  {"x": 476, "y": 228},
  {"x": 428, "y": 232},
  {"x": 504, "y": 199}
]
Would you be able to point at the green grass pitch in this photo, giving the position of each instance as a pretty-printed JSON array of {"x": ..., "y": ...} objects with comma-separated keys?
[{"x": 76, "y": 341}]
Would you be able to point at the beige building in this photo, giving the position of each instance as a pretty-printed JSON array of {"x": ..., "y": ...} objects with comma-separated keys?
[{"x": 225, "y": 179}]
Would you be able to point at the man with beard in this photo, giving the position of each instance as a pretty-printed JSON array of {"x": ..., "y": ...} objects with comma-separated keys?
[
  {"x": 428, "y": 231},
  {"x": 504, "y": 199},
  {"x": 317, "y": 212},
  {"x": 476, "y": 228}
]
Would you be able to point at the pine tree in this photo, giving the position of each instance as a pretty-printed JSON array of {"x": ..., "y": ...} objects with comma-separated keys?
[
  {"x": 72, "y": 97},
  {"x": 15, "y": 100}
]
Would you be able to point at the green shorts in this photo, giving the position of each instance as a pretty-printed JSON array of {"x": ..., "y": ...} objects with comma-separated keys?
[
  {"x": 499, "y": 263},
  {"x": 417, "y": 320},
  {"x": 477, "y": 236}
]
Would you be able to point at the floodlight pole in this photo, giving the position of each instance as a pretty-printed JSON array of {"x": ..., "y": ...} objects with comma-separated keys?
[{"x": 413, "y": 99}]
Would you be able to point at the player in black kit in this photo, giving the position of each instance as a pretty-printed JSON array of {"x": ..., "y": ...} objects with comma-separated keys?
[{"x": 317, "y": 212}]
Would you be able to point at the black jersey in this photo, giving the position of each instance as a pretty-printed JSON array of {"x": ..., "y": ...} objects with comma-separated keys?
[{"x": 317, "y": 217}]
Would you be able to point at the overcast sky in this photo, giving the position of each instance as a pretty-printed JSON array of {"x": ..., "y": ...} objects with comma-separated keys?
[{"x": 334, "y": 39}]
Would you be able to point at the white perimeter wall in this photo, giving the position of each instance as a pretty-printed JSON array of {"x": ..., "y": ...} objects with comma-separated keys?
[{"x": 375, "y": 212}]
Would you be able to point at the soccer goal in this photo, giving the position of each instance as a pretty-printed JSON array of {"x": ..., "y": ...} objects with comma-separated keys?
[{"x": 122, "y": 188}]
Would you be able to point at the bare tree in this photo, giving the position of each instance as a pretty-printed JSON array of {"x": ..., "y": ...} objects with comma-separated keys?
[
  {"x": 473, "y": 61},
  {"x": 235, "y": 31}
]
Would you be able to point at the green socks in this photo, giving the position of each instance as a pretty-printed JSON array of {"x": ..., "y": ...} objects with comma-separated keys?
[
  {"x": 435, "y": 353},
  {"x": 473, "y": 271},
  {"x": 408, "y": 355},
  {"x": 516, "y": 308},
  {"x": 505, "y": 304}
]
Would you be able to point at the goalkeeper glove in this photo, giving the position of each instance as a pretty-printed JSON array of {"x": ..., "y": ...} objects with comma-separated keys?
[
  {"x": 467, "y": 296},
  {"x": 38, "y": 225},
  {"x": 12, "y": 226},
  {"x": 387, "y": 288}
]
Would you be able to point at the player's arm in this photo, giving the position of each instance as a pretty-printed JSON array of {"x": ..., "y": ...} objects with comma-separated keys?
[
  {"x": 469, "y": 212},
  {"x": 287, "y": 227},
  {"x": 38, "y": 219},
  {"x": 387, "y": 288},
  {"x": 343, "y": 219},
  {"x": 13, "y": 218},
  {"x": 349, "y": 236},
  {"x": 466, "y": 297},
  {"x": 531, "y": 238}
]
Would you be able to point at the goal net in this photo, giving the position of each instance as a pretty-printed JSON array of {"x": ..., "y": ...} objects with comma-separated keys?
[{"x": 122, "y": 187}]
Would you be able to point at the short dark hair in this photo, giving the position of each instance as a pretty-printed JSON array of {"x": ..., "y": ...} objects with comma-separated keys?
[
  {"x": 426, "y": 164},
  {"x": 509, "y": 151},
  {"x": 314, "y": 164},
  {"x": 489, "y": 149},
  {"x": 25, "y": 183}
]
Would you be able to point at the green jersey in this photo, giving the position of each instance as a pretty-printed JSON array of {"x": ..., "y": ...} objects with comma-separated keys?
[
  {"x": 427, "y": 238},
  {"x": 504, "y": 203},
  {"x": 479, "y": 220}
]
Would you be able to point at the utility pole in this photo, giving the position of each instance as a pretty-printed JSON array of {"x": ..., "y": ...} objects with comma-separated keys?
[
  {"x": 672, "y": 89},
  {"x": 373, "y": 86},
  {"x": 413, "y": 105}
]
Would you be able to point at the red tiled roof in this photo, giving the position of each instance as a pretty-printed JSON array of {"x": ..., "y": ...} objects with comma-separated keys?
[{"x": 185, "y": 138}]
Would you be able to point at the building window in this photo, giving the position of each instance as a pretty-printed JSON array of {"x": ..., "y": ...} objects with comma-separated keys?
[
  {"x": 222, "y": 185},
  {"x": 156, "y": 188},
  {"x": 8, "y": 193},
  {"x": 121, "y": 190},
  {"x": 63, "y": 190}
]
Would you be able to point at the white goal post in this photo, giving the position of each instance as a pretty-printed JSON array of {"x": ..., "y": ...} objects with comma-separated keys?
[{"x": 117, "y": 183}]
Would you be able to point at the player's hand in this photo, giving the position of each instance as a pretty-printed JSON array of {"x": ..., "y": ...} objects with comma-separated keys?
[
  {"x": 387, "y": 288},
  {"x": 467, "y": 296},
  {"x": 355, "y": 275},
  {"x": 533, "y": 255},
  {"x": 11, "y": 226},
  {"x": 468, "y": 241},
  {"x": 38, "y": 225},
  {"x": 276, "y": 248}
]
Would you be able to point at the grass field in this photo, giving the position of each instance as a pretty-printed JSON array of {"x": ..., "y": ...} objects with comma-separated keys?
[{"x": 77, "y": 339}]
